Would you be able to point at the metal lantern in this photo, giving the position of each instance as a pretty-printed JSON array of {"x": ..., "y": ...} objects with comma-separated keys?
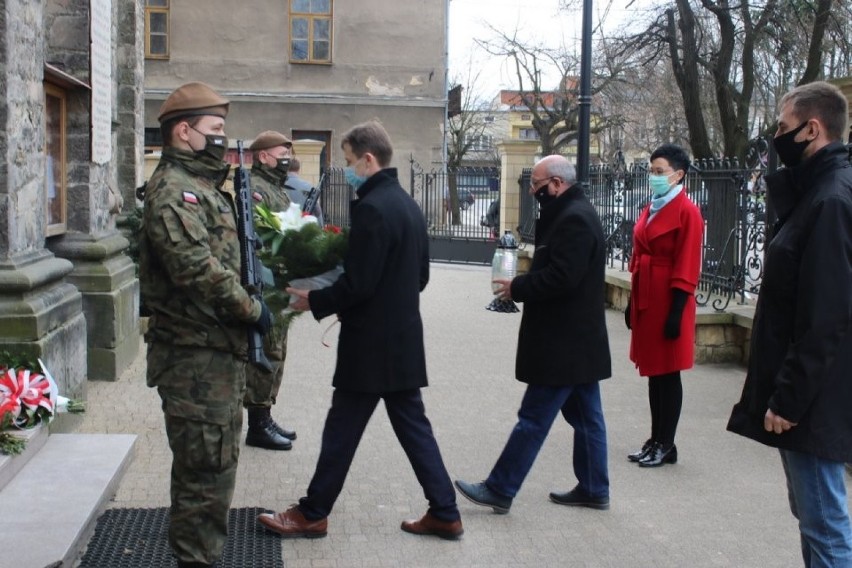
[{"x": 504, "y": 265}]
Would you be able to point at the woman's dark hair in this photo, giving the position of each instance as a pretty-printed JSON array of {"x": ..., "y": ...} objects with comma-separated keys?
[{"x": 676, "y": 156}]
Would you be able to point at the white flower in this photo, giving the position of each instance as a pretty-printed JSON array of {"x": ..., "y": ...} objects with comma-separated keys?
[{"x": 292, "y": 218}]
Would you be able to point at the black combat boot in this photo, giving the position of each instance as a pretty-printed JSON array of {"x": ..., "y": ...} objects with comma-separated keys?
[
  {"x": 289, "y": 434},
  {"x": 262, "y": 432}
]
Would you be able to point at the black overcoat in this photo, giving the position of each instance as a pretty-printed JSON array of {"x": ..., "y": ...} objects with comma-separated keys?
[
  {"x": 800, "y": 364},
  {"x": 377, "y": 298},
  {"x": 563, "y": 338}
]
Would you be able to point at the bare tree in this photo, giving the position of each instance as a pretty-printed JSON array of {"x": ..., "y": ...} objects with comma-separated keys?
[
  {"x": 554, "y": 111},
  {"x": 464, "y": 129},
  {"x": 732, "y": 47}
]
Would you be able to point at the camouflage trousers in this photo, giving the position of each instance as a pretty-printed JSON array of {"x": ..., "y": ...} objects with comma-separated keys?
[
  {"x": 262, "y": 388},
  {"x": 201, "y": 391}
]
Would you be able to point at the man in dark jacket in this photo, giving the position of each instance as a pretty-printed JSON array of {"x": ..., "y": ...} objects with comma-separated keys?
[
  {"x": 380, "y": 354},
  {"x": 563, "y": 351},
  {"x": 798, "y": 390}
]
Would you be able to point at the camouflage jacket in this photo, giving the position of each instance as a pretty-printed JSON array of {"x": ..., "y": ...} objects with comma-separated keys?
[
  {"x": 268, "y": 187},
  {"x": 189, "y": 258}
]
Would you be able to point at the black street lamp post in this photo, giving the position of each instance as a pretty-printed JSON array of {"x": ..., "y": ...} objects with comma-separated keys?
[{"x": 585, "y": 104}]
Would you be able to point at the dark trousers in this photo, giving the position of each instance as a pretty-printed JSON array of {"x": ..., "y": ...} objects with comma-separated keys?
[{"x": 347, "y": 418}]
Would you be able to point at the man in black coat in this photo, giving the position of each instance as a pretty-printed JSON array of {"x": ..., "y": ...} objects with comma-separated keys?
[
  {"x": 798, "y": 391},
  {"x": 380, "y": 354},
  {"x": 563, "y": 351}
]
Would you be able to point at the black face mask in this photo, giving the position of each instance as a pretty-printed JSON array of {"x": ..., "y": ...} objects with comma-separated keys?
[
  {"x": 542, "y": 196},
  {"x": 282, "y": 166},
  {"x": 789, "y": 151},
  {"x": 215, "y": 145}
]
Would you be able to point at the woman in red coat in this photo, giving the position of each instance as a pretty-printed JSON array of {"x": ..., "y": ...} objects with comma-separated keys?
[{"x": 665, "y": 266}]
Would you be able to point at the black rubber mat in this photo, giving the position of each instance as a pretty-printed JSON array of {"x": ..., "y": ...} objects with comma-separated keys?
[{"x": 138, "y": 538}]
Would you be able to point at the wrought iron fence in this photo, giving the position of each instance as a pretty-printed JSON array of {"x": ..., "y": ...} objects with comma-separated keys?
[
  {"x": 457, "y": 203},
  {"x": 730, "y": 195},
  {"x": 335, "y": 197}
]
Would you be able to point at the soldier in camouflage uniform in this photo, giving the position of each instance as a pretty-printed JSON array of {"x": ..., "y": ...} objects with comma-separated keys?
[
  {"x": 199, "y": 318},
  {"x": 270, "y": 163}
]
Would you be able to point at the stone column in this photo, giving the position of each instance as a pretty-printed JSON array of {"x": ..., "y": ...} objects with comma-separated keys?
[
  {"x": 40, "y": 313},
  {"x": 130, "y": 97},
  {"x": 102, "y": 271},
  {"x": 308, "y": 152},
  {"x": 515, "y": 155}
]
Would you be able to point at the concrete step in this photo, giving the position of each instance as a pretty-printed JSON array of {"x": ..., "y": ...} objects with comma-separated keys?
[
  {"x": 11, "y": 465},
  {"x": 49, "y": 509}
]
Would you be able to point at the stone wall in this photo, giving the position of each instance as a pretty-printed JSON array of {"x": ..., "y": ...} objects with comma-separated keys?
[
  {"x": 102, "y": 271},
  {"x": 72, "y": 298},
  {"x": 40, "y": 312}
]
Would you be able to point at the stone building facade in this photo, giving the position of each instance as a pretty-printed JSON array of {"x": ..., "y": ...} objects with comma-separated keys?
[
  {"x": 71, "y": 151},
  {"x": 357, "y": 61}
]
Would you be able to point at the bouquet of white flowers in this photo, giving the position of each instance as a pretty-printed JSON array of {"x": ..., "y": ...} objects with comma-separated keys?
[{"x": 298, "y": 251}]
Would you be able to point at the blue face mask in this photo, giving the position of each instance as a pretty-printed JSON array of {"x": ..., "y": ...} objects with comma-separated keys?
[
  {"x": 659, "y": 184},
  {"x": 352, "y": 178}
]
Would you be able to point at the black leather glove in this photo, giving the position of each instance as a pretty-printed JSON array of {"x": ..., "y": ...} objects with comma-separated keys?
[
  {"x": 264, "y": 322},
  {"x": 672, "y": 327},
  {"x": 627, "y": 315}
]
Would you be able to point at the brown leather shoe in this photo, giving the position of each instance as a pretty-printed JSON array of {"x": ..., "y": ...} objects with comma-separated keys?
[
  {"x": 429, "y": 525},
  {"x": 293, "y": 524}
]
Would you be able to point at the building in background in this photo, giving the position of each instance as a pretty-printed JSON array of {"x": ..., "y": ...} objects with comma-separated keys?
[{"x": 308, "y": 68}]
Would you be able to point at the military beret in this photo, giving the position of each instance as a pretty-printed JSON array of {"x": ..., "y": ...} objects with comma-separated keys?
[
  {"x": 270, "y": 139},
  {"x": 193, "y": 99}
]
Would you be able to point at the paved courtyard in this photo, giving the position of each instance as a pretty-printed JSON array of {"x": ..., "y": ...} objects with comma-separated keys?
[{"x": 723, "y": 504}]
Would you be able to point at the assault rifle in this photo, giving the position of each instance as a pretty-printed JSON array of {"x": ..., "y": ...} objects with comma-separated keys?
[
  {"x": 250, "y": 276},
  {"x": 313, "y": 197}
]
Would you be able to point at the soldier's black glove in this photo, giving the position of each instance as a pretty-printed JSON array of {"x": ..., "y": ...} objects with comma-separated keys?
[
  {"x": 672, "y": 327},
  {"x": 627, "y": 315},
  {"x": 264, "y": 322}
]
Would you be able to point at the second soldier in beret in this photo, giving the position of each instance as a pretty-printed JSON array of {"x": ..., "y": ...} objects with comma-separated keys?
[{"x": 271, "y": 152}]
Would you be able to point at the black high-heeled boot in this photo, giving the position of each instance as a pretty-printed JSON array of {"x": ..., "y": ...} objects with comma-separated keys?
[
  {"x": 659, "y": 455},
  {"x": 638, "y": 455}
]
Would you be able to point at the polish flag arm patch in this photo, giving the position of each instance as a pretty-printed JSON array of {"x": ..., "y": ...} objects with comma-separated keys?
[{"x": 190, "y": 197}]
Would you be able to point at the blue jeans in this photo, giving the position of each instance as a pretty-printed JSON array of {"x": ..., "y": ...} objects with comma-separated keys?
[
  {"x": 817, "y": 491},
  {"x": 581, "y": 408}
]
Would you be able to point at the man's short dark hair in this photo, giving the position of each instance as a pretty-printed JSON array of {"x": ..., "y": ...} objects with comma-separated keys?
[
  {"x": 169, "y": 125},
  {"x": 369, "y": 137},
  {"x": 676, "y": 156},
  {"x": 822, "y": 101}
]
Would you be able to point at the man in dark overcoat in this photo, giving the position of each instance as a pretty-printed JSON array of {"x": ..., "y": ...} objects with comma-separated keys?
[
  {"x": 380, "y": 354},
  {"x": 563, "y": 351},
  {"x": 797, "y": 395}
]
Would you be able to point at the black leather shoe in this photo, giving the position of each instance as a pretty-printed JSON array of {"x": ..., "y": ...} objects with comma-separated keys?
[
  {"x": 267, "y": 437},
  {"x": 636, "y": 456},
  {"x": 579, "y": 498},
  {"x": 659, "y": 455},
  {"x": 480, "y": 494},
  {"x": 289, "y": 434}
]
